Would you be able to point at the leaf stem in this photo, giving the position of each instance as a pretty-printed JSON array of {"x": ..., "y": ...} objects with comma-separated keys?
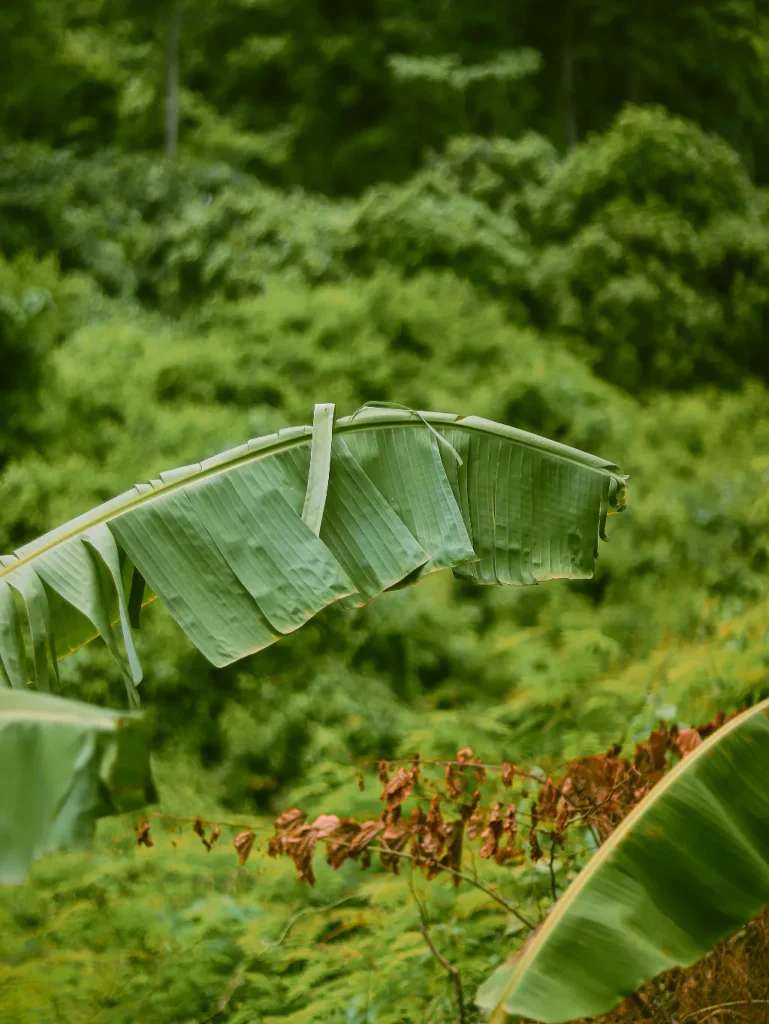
[{"x": 453, "y": 972}]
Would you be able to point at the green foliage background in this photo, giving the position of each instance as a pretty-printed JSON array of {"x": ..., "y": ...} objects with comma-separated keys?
[{"x": 375, "y": 201}]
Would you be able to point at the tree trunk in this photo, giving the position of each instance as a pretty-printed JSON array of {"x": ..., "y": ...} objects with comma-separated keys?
[
  {"x": 568, "y": 111},
  {"x": 172, "y": 82}
]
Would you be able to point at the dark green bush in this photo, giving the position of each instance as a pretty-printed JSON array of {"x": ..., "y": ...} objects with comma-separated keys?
[{"x": 653, "y": 256}]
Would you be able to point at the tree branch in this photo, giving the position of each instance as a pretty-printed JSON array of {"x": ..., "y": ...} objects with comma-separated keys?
[
  {"x": 551, "y": 869},
  {"x": 453, "y": 972}
]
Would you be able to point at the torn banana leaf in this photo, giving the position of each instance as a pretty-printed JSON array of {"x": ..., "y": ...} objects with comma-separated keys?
[{"x": 247, "y": 546}]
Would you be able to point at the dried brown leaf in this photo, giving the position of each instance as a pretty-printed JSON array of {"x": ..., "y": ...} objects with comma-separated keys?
[
  {"x": 535, "y": 850},
  {"x": 399, "y": 788},
  {"x": 143, "y": 834},
  {"x": 492, "y": 833},
  {"x": 453, "y": 857},
  {"x": 687, "y": 740},
  {"x": 243, "y": 842},
  {"x": 325, "y": 824}
]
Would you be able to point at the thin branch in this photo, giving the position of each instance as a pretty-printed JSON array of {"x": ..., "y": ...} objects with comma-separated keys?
[
  {"x": 203, "y": 821},
  {"x": 457, "y": 874},
  {"x": 233, "y": 984},
  {"x": 453, "y": 972},
  {"x": 239, "y": 976},
  {"x": 551, "y": 869},
  {"x": 729, "y": 1014},
  {"x": 374, "y": 849},
  {"x": 440, "y": 763},
  {"x": 722, "y": 1006},
  {"x": 242, "y": 825},
  {"x": 304, "y": 912}
]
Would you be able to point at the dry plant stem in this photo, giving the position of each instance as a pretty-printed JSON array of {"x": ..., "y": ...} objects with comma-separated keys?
[
  {"x": 192, "y": 818},
  {"x": 718, "y": 1007},
  {"x": 304, "y": 912},
  {"x": 453, "y": 972},
  {"x": 490, "y": 767},
  {"x": 594, "y": 834},
  {"x": 464, "y": 764},
  {"x": 466, "y": 878},
  {"x": 728, "y": 1015},
  {"x": 232, "y": 986},
  {"x": 586, "y": 815},
  {"x": 374, "y": 849},
  {"x": 551, "y": 869}
]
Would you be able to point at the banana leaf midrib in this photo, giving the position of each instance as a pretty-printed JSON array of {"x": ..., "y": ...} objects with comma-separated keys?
[
  {"x": 62, "y": 718},
  {"x": 302, "y": 436}
]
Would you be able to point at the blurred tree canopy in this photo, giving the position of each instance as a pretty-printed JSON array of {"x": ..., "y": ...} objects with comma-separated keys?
[{"x": 334, "y": 96}]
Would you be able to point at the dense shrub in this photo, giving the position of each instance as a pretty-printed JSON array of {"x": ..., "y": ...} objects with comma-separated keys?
[
  {"x": 653, "y": 256},
  {"x": 39, "y": 307},
  {"x": 166, "y": 234}
]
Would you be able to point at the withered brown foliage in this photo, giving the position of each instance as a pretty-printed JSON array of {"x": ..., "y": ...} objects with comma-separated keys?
[
  {"x": 527, "y": 816},
  {"x": 455, "y": 777},
  {"x": 213, "y": 837},
  {"x": 143, "y": 834},
  {"x": 243, "y": 842},
  {"x": 591, "y": 792}
]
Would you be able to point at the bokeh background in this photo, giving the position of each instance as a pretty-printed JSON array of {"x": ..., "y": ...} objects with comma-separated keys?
[{"x": 213, "y": 215}]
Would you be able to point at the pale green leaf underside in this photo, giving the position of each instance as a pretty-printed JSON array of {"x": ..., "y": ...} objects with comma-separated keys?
[
  {"x": 247, "y": 546},
  {"x": 688, "y": 866},
  {"x": 63, "y": 764},
  {"x": 320, "y": 466}
]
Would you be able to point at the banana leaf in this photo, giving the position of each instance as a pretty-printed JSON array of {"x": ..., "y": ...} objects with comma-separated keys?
[
  {"x": 689, "y": 865},
  {"x": 64, "y": 764},
  {"x": 247, "y": 546}
]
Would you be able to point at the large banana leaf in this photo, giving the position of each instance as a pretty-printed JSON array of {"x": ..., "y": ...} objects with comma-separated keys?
[
  {"x": 63, "y": 764},
  {"x": 245, "y": 547},
  {"x": 686, "y": 867}
]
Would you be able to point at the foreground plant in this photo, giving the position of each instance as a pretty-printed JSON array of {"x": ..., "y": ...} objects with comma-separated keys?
[
  {"x": 64, "y": 764},
  {"x": 246, "y": 546},
  {"x": 686, "y": 867},
  {"x": 249, "y": 545}
]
